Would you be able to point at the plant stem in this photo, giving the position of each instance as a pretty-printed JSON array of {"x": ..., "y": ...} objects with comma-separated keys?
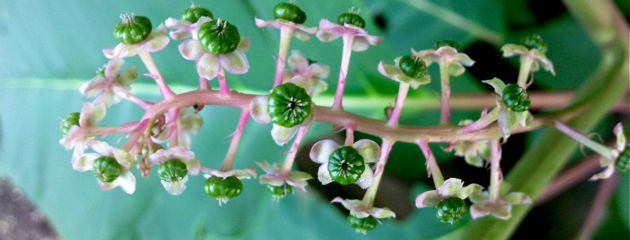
[
  {"x": 576, "y": 174},
  {"x": 349, "y": 136},
  {"x": 174, "y": 123},
  {"x": 445, "y": 85},
  {"x": 288, "y": 161},
  {"x": 495, "y": 170},
  {"x": 153, "y": 70},
  {"x": 525, "y": 70},
  {"x": 594, "y": 217},
  {"x": 285, "y": 41},
  {"x": 236, "y": 139},
  {"x": 343, "y": 71},
  {"x": 204, "y": 84},
  {"x": 370, "y": 194},
  {"x": 403, "y": 89},
  {"x": 482, "y": 122},
  {"x": 125, "y": 94},
  {"x": 584, "y": 140},
  {"x": 432, "y": 166},
  {"x": 223, "y": 85}
]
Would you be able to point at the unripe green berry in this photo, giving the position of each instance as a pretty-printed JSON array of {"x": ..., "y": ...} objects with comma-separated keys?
[
  {"x": 535, "y": 42},
  {"x": 289, "y": 12},
  {"x": 345, "y": 165},
  {"x": 223, "y": 188},
  {"x": 447, "y": 43},
  {"x": 516, "y": 98},
  {"x": 412, "y": 66},
  {"x": 172, "y": 170},
  {"x": 106, "y": 169},
  {"x": 278, "y": 192},
  {"x": 451, "y": 210},
  {"x": 193, "y": 13},
  {"x": 132, "y": 29},
  {"x": 352, "y": 19},
  {"x": 623, "y": 161},
  {"x": 70, "y": 121},
  {"x": 289, "y": 105},
  {"x": 362, "y": 225},
  {"x": 219, "y": 36}
]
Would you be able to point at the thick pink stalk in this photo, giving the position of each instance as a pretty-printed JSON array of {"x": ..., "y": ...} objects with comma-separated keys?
[
  {"x": 403, "y": 89},
  {"x": 125, "y": 94},
  {"x": 288, "y": 161},
  {"x": 445, "y": 113},
  {"x": 135, "y": 135},
  {"x": 236, "y": 139},
  {"x": 285, "y": 41},
  {"x": 343, "y": 71},
  {"x": 495, "y": 169},
  {"x": 349, "y": 136},
  {"x": 223, "y": 85},
  {"x": 370, "y": 194},
  {"x": 204, "y": 84},
  {"x": 432, "y": 166},
  {"x": 155, "y": 73},
  {"x": 173, "y": 126}
]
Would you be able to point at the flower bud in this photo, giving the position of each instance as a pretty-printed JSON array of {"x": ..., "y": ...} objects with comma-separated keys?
[
  {"x": 352, "y": 19},
  {"x": 289, "y": 105},
  {"x": 70, "y": 121},
  {"x": 516, "y": 98},
  {"x": 223, "y": 188},
  {"x": 172, "y": 170},
  {"x": 289, "y": 12},
  {"x": 451, "y": 210},
  {"x": 412, "y": 66},
  {"x": 193, "y": 13},
  {"x": 362, "y": 225},
  {"x": 346, "y": 165},
  {"x": 106, "y": 169},
  {"x": 219, "y": 36},
  {"x": 132, "y": 29}
]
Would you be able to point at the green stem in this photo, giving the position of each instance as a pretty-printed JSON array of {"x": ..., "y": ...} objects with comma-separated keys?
[{"x": 523, "y": 74}]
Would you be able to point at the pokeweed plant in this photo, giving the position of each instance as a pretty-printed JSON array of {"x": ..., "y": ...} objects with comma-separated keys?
[{"x": 161, "y": 138}]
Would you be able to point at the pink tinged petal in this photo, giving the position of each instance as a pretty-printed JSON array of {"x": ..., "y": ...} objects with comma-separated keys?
[
  {"x": 355, "y": 207},
  {"x": 318, "y": 87},
  {"x": 297, "y": 60},
  {"x": 510, "y": 50},
  {"x": 175, "y": 188},
  {"x": 322, "y": 174},
  {"x": 360, "y": 44},
  {"x": 456, "y": 69},
  {"x": 516, "y": 198},
  {"x": 91, "y": 113},
  {"x": 208, "y": 66},
  {"x": 502, "y": 211},
  {"x": 389, "y": 71},
  {"x": 368, "y": 149},
  {"x": 365, "y": 181},
  {"x": 123, "y": 157},
  {"x": 235, "y": 62},
  {"x": 84, "y": 162},
  {"x": 246, "y": 173},
  {"x": 93, "y": 87},
  {"x": 102, "y": 148},
  {"x": 619, "y": 135},
  {"x": 258, "y": 108},
  {"x": 194, "y": 166},
  {"x": 451, "y": 187},
  {"x": 301, "y": 35},
  {"x": 273, "y": 180},
  {"x": 428, "y": 199},
  {"x": 126, "y": 181},
  {"x": 127, "y": 78},
  {"x": 464, "y": 59},
  {"x": 174, "y": 23},
  {"x": 605, "y": 174},
  {"x": 114, "y": 52},
  {"x": 155, "y": 44},
  {"x": 428, "y": 56},
  {"x": 243, "y": 45},
  {"x": 191, "y": 50},
  {"x": 468, "y": 190},
  {"x": 381, "y": 213},
  {"x": 262, "y": 23},
  {"x": 497, "y": 84},
  {"x": 321, "y": 150},
  {"x": 477, "y": 212},
  {"x": 179, "y": 34},
  {"x": 266, "y": 167},
  {"x": 282, "y": 135},
  {"x": 72, "y": 138},
  {"x": 113, "y": 65},
  {"x": 129, "y": 50}
]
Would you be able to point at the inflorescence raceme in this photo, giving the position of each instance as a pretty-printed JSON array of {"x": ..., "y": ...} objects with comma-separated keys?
[{"x": 162, "y": 137}]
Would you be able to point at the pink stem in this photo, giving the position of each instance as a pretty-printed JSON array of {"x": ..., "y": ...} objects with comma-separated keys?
[
  {"x": 445, "y": 115},
  {"x": 482, "y": 122},
  {"x": 236, "y": 139},
  {"x": 495, "y": 169},
  {"x": 571, "y": 177},
  {"x": 173, "y": 125},
  {"x": 288, "y": 161},
  {"x": 285, "y": 41},
  {"x": 223, "y": 85},
  {"x": 204, "y": 84},
  {"x": 403, "y": 89},
  {"x": 432, "y": 166},
  {"x": 343, "y": 71},
  {"x": 153, "y": 70},
  {"x": 594, "y": 217},
  {"x": 584, "y": 140},
  {"x": 132, "y": 141},
  {"x": 105, "y": 131},
  {"x": 370, "y": 194},
  {"x": 125, "y": 94},
  {"x": 349, "y": 136}
]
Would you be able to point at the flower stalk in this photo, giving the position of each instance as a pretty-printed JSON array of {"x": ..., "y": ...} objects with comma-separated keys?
[
  {"x": 584, "y": 140},
  {"x": 155, "y": 73},
  {"x": 432, "y": 166},
  {"x": 236, "y": 139},
  {"x": 343, "y": 71},
  {"x": 285, "y": 41},
  {"x": 524, "y": 71},
  {"x": 495, "y": 169},
  {"x": 445, "y": 86},
  {"x": 370, "y": 194},
  {"x": 403, "y": 89},
  {"x": 290, "y": 159}
]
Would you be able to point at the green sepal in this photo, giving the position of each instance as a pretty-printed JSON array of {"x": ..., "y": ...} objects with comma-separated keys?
[
  {"x": 132, "y": 29},
  {"x": 106, "y": 169},
  {"x": 451, "y": 210},
  {"x": 193, "y": 13},
  {"x": 289, "y": 105},
  {"x": 290, "y": 12},
  {"x": 413, "y": 67},
  {"x": 219, "y": 36},
  {"x": 172, "y": 170},
  {"x": 362, "y": 225},
  {"x": 223, "y": 188},
  {"x": 346, "y": 165},
  {"x": 352, "y": 19},
  {"x": 70, "y": 121}
]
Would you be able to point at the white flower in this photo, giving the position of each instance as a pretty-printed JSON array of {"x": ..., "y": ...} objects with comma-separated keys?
[
  {"x": 301, "y": 32},
  {"x": 507, "y": 119},
  {"x": 360, "y": 209},
  {"x": 501, "y": 207},
  {"x": 394, "y": 72},
  {"x": 452, "y": 187},
  {"x": 275, "y": 176},
  {"x": 321, "y": 151},
  {"x": 538, "y": 58},
  {"x": 84, "y": 162},
  {"x": 313, "y": 74},
  {"x": 108, "y": 87},
  {"x": 187, "y": 124},
  {"x": 446, "y": 55},
  {"x": 176, "y": 153},
  {"x": 246, "y": 173},
  {"x": 475, "y": 153},
  {"x": 329, "y": 31},
  {"x": 156, "y": 41},
  {"x": 208, "y": 63},
  {"x": 609, "y": 163},
  {"x": 183, "y": 29},
  {"x": 91, "y": 113}
]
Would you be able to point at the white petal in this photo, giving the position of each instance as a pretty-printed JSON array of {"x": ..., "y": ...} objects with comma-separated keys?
[
  {"x": 191, "y": 50},
  {"x": 258, "y": 108},
  {"x": 175, "y": 188},
  {"x": 510, "y": 50},
  {"x": 322, "y": 174},
  {"x": 451, "y": 187},
  {"x": 619, "y": 135},
  {"x": 126, "y": 181},
  {"x": 360, "y": 44},
  {"x": 194, "y": 166},
  {"x": 390, "y": 71},
  {"x": 428, "y": 199},
  {"x": 497, "y": 84},
  {"x": 155, "y": 44},
  {"x": 365, "y": 181},
  {"x": 604, "y": 174},
  {"x": 102, "y": 148},
  {"x": 208, "y": 66},
  {"x": 321, "y": 150},
  {"x": 477, "y": 212},
  {"x": 468, "y": 190},
  {"x": 368, "y": 149},
  {"x": 84, "y": 162},
  {"x": 282, "y": 135},
  {"x": 113, "y": 65},
  {"x": 381, "y": 213},
  {"x": 456, "y": 69},
  {"x": 91, "y": 113},
  {"x": 515, "y": 198},
  {"x": 235, "y": 62}
]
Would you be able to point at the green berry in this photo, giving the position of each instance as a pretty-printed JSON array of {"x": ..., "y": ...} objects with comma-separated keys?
[
  {"x": 535, "y": 42},
  {"x": 289, "y": 12},
  {"x": 412, "y": 66},
  {"x": 516, "y": 98},
  {"x": 362, "y": 225},
  {"x": 219, "y": 36},
  {"x": 352, "y": 19},
  {"x": 132, "y": 29},
  {"x": 278, "y": 192},
  {"x": 193, "y": 13},
  {"x": 106, "y": 169},
  {"x": 172, "y": 170},
  {"x": 623, "y": 161},
  {"x": 447, "y": 43},
  {"x": 289, "y": 105},
  {"x": 451, "y": 210},
  {"x": 345, "y": 165},
  {"x": 70, "y": 121},
  {"x": 223, "y": 188}
]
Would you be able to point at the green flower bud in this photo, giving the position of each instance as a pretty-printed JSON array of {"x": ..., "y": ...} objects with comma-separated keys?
[
  {"x": 412, "y": 66},
  {"x": 193, "y": 13},
  {"x": 223, "y": 188},
  {"x": 289, "y": 12},
  {"x": 362, "y": 225},
  {"x": 447, "y": 43},
  {"x": 345, "y": 165},
  {"x": 623, "y": 161},
  {"x": 535, "y": 42},
  {"x": 132, "y": 29},
  {"x": 352, "y": 19},
  {"x": 172, "y": 170},
  {"x": 279, "y": 192},
  {"x": 219, "y": 36},
  {"x": 289, "y": 105},
  {"x": 516, "y": 98},
  {"x": 451, "y": 210},
  {"x": 106, "y": 169},
  {"x": 70, "y": 121}
]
